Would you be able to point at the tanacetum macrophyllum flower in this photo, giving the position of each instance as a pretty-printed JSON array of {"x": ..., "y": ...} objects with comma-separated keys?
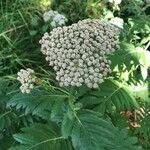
[
  {"x": 27, "y": 79},
  {"x": 54, "y": 18},
  {"x": 78, "y": 53}
]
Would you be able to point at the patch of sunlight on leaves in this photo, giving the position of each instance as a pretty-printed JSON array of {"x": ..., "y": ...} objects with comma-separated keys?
[{"x": 141, "y": 91}]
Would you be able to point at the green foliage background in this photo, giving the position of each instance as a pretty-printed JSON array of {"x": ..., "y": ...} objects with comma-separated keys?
[{"x": 116, "y": 116}]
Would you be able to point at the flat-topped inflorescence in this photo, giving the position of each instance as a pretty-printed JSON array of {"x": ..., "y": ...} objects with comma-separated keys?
[{"x": 78, "y": 53}]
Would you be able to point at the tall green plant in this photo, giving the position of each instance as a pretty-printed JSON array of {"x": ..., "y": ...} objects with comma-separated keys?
[{"x": 114, "y": 116}]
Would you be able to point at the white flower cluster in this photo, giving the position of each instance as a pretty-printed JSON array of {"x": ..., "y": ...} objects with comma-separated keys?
[
  {"x": 116, "y": 2},
  {"x": 47, "y": 16},
  {"x": 27, "y": 79},
  {"x": 55, "y": 18},
  {"x": 78, "y": 53}
]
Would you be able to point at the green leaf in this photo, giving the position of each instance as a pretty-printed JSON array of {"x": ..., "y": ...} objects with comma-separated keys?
[
  {"x": 144, "y": 72},
  {"x": 119, "y": 120},
  {"x": 145, "y": 40},
  {"x": 110, "y": 93},
  {"x": 92, "y": 132},
  {"x": 129, "y": 56},
  {"x": 67, "y": 126},
  {"x": 3, "y": 85},
  {"x": 38, "y": 102},
  {"x": 82, "y": 90},
  {"x": 141, "y": 90},
  {"x": 6, "y": 142},
  {"x": 41, "y": 137},
  {"x": 89, "y": 100},
  {"x": 143, "y": 132},
  {"x": 57, "y": 110},
  {"x": 6, "y": 115}
]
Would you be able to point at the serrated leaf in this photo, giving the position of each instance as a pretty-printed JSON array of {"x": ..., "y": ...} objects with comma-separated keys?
[
  {"x": 130, "y": 55},
  {"x": 110, "y": 93},
  {"x": 57, "y": 111},
  {"x": 67, "y": 126},
  {"x": 38, "y": 102},
  {"x": 41, "y": 137},
  {"x": 89, "y": 100},
  {"x": 92, "y": 132},
  {"x": 6, "y": 115}
]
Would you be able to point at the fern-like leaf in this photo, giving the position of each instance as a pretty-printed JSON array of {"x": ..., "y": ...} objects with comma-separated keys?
[
  {"x": 38, "y": 102},
  {"x": 92, "y": 132},
  {"x": 41, "y": 137},
  {"x": 110, "y": 93}
]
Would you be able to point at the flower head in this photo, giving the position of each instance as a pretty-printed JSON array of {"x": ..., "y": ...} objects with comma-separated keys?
[
  {"x": 55, "y": 18},
  {"x": 47, "y": 16},
  {"x": 78, "y": 53},
  {"x": 27, "y": 79}
]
